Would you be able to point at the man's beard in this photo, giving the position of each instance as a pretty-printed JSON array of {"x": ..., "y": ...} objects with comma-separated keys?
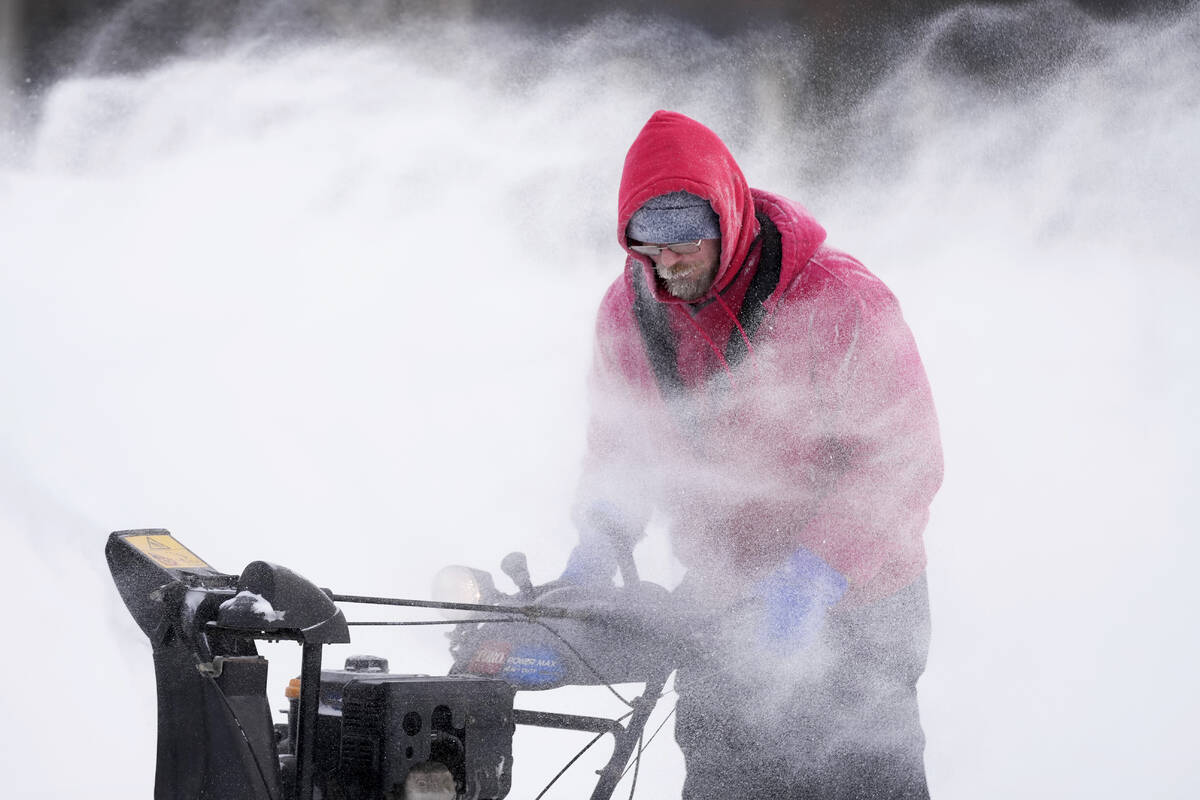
[{"x": 690, "y": 288}]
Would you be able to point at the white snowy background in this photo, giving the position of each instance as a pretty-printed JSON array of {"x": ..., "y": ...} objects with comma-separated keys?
[{"x": 328, "y": 302}]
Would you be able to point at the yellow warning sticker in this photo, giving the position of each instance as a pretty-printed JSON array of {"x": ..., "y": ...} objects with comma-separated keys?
[{"x": 166, "y": 551}]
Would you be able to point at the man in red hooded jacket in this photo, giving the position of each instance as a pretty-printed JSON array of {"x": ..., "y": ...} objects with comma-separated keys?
[{"x": 761, "y": 393}]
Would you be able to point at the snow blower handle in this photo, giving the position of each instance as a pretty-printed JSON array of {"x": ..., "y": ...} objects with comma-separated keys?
[{"x": 625, "y": 562}]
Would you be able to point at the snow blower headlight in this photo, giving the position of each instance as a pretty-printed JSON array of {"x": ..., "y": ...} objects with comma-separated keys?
[{"x": 459, "y": 584}]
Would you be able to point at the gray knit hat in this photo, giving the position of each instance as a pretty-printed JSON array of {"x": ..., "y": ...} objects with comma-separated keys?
[{"x": 674, "y": 217}]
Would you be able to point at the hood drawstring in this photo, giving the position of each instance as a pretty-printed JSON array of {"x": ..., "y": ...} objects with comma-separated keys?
[
  {"x": 741, "y": 331},
  {"x": 713, "y": 345}
]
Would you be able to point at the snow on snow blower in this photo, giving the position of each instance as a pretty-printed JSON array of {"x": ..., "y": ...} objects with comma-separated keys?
[{"x": 363, "y": 733}]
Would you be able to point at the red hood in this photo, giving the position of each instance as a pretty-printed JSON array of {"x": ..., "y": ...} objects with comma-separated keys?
[{"x": 675, "y": 153}]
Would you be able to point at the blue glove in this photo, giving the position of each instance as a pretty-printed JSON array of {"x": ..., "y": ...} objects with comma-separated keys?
[
  {"x": 795, "y": 598},
  {"x": 591, "y": 562},
  {"x": 594, "y": 560}
]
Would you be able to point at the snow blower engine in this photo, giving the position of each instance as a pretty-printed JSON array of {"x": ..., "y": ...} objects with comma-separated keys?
[{"x": 353, "y": 733}]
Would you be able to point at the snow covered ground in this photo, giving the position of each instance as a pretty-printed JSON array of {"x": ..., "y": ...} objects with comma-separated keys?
[{"x": 329, "y": 304}]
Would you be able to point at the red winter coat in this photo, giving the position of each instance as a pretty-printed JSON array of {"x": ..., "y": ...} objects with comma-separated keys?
[{"x": 824, "y": 436}]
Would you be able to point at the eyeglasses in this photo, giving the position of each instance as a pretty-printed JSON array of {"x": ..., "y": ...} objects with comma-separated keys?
[{"x": 680, "y": 248}]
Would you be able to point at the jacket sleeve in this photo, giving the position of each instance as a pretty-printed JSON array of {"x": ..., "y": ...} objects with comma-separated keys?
[
  {"x": 614, "y": 496},
  {"x": 876, "y": 444}
]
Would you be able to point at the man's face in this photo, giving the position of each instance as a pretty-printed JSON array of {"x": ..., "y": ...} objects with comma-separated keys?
[{"x": 689, "y": 277}]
